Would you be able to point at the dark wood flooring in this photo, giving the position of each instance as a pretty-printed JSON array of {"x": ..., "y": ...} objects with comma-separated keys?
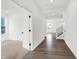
[{"x": 51, "y": 48}]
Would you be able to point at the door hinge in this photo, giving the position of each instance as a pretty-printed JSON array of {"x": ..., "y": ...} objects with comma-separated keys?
[
  {"x": 29, "y": 44},
  {"x": 29, "y": 16},
  {"x": 29, "y": 30}
]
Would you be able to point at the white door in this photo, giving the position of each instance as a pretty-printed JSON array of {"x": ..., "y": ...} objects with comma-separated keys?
[
  {"x": 30, "y": 33},
  {"x": 27, "y": 33}
]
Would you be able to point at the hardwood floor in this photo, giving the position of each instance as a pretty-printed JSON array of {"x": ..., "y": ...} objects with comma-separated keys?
[
  {"x": 12, "y": 49},
  {"x": 51, "y": 48}
]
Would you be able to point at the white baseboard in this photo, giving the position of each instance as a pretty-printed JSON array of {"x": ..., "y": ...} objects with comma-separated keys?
[
  {"x": 37, "y": 44},
  {"x": 70, "y": 48}
]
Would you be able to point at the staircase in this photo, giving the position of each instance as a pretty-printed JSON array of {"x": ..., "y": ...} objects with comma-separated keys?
[{"x": 60, "y": 33}]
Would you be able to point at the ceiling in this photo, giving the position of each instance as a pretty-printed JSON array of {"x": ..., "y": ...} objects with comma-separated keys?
[
  {"x": 51, "y": 9},
  {"x": 46, "y": 7}
]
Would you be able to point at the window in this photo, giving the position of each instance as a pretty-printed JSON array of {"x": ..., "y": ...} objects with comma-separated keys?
[{"x": 2, "y": 25}]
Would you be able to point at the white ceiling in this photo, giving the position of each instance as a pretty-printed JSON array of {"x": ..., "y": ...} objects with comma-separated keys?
[
  {"x": 51, "y": 9},
  {"x": 46, "y": 7}
]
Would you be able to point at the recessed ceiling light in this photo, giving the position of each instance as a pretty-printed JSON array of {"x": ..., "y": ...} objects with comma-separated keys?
[{"x": 51, "y": 0}]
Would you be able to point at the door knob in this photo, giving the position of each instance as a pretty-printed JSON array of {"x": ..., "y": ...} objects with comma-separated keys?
[{"x": 22, "y": 32}]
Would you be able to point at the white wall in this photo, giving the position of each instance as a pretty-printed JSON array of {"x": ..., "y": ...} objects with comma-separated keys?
[
  {"x": 39, "y": 24},
  {"x": 16, "y": 22},
  {"x": 38, "y": 21},
  {"x": 19, "y": 23},
  {"x": 17, "y": 19},
  {"x": 71, "y": 26},
  {"x": 56, "y": 24}
]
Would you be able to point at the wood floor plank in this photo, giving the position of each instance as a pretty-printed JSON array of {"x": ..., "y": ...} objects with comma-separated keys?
[{"x": 56, "y": 49}]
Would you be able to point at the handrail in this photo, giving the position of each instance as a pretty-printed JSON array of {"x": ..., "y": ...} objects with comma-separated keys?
[
  {"x": 59, "y": 34},
  {"x": 59, "y": 31}
]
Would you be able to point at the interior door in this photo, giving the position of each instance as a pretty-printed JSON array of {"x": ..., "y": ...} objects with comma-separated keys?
[
  {"x": 30, "y": 32},
  {"x": 27, "y": 33}
]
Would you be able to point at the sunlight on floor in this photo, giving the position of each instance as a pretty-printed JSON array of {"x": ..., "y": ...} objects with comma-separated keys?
[{"x": 49, "y": 40}]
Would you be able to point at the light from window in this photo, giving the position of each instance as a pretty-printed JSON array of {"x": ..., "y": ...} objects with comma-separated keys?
[{"x": 2, "y": 25}]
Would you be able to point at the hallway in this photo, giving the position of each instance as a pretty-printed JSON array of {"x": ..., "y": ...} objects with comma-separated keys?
[{"x": 51, "y": 48}]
